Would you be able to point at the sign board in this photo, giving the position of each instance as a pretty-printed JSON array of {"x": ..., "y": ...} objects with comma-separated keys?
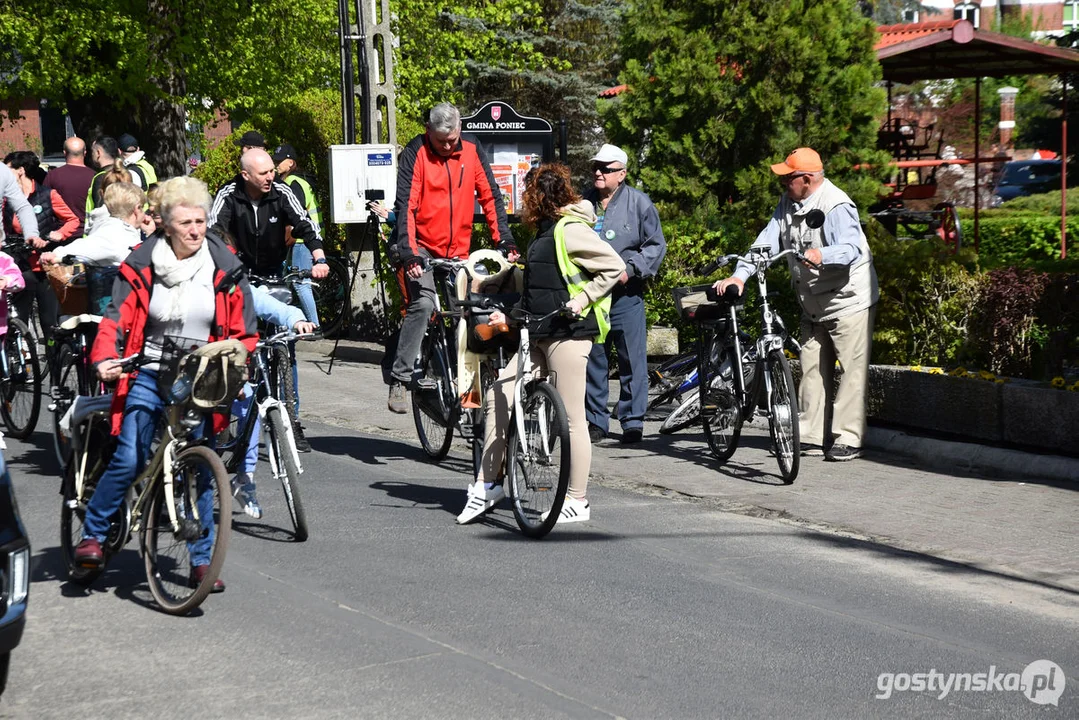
[
  {"x": 514, "y": 145},
  {"x": 359, "y": 173}
]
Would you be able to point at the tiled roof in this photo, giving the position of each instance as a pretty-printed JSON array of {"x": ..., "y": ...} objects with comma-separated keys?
[{"x": 892, "y": 34}]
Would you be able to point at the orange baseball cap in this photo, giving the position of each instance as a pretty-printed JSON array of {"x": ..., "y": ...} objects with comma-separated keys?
[{"x": 801, "y": 160}]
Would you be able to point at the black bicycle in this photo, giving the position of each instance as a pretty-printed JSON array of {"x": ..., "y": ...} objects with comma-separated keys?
[
  {"x": 739, "y": 380},
  {"x": 20, "y": 377}
]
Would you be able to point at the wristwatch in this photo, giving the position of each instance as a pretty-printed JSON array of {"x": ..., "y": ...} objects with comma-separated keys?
[{"x": 320, "y": 261}]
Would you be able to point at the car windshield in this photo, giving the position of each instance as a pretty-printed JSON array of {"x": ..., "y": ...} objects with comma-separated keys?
[{"x": 1029, "y": 173}]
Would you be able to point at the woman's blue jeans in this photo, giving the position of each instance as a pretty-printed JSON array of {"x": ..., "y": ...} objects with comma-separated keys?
[
  {"x": 141, "y": 414},
  {"x": 301, "y": 258}
]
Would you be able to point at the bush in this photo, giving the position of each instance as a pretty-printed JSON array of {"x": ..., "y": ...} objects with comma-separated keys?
[
  {"x": 927, "y": 295},
  {"x": 1017, "y": 238}
]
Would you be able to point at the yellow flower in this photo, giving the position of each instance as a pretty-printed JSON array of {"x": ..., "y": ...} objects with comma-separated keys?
[
  {"x": 936, "y": 371},
  {"x": 972, "y": 375},
  {"x": 1057, "y": 382},
  {"x": 999, "y": 381},
  {"x": 1074, "y": 387},
  {"x": 959, "y": 372},
  {"x": 789, "y": 354},
  {"x": 915, "y": 368},
  {"x": 986, "y": 375}
]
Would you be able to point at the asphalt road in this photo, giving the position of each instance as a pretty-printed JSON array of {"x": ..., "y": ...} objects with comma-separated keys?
[{"x": 660, "y": 607}]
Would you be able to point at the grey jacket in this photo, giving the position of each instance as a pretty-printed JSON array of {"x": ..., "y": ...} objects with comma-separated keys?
[
  {"x": 631, "y": 225},
  {"x": 11, "y": 192}
]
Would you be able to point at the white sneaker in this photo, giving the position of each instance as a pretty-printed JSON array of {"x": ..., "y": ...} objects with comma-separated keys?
[
  {"x": 243, "y": 490},
  {"x": 573, "y": 510},
  {"x": 480, "y": 500}
]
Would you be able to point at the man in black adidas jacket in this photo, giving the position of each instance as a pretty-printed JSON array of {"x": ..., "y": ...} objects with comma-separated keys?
[{"x": 255, "y": 210}]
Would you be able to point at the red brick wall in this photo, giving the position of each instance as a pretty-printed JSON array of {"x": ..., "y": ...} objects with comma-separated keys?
[
  {"x": 217, "y": 130},
  {"x": 21, "y": 134}
]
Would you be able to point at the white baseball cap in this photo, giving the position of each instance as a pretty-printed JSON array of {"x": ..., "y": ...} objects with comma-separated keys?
[{"x": 611, "y": 153}]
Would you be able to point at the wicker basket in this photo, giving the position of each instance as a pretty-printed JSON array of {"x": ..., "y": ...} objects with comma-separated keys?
[{"x": 69, "y": 284}]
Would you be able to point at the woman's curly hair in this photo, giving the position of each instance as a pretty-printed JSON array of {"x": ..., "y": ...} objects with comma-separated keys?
[{"x": 548, "y": 188}]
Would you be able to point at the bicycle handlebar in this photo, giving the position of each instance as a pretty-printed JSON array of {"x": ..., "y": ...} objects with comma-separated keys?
[
  {"x": 759, "y": 259},
  {"x": 291, "y": 276},
  {"x": 288, "y": 336}
]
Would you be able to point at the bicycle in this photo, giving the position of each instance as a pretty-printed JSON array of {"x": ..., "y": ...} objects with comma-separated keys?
[
  {"x": 738, "y": 383},
  {"x": 331, "y": 297},
  {"x": 436, "y": 402},
  {"x": 268, "y": 407},
  {"x": 282, "y": 381},
  {"x": 536, "y": 465},
  {"x": 71, "y": 373},
  {"x": 20, "y": 377},
  {"x": 181, "y": 496}
]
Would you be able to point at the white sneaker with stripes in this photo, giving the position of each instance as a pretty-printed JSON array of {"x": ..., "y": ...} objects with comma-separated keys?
[
  {"x": 573, "y": 510},
  {"x": 480, "y": 500}
]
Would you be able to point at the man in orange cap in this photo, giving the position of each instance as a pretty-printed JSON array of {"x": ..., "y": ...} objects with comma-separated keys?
[{"x": 838, "y": 299}]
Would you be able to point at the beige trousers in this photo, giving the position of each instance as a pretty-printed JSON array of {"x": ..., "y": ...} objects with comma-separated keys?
[
  {"x": 822, "y": 417},
  {"x": 565, "y": 362}
]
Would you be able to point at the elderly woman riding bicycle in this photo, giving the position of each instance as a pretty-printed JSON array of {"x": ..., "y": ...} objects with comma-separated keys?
[{"x": 185, "y": 283}]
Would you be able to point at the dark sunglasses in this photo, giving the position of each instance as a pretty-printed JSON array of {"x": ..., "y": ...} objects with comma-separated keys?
[
  {"x": 788, "y": 179},
  {"x": 606, "y": 169}
]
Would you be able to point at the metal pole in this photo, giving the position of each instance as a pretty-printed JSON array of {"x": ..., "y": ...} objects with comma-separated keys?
[
  {"x": 365, "y": 73},
  {"x": 348, "y": 89},
  {"x": 977, "y": 150},
  {"x": 563, "y": 139},
  {"x": 1064, "y": 175}
]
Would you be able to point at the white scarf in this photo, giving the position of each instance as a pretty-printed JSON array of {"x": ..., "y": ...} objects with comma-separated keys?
[{"x": 176, "y": 274}]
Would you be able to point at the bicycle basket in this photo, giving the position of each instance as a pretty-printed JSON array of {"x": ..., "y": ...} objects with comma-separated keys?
[
  {"x": 693, "y": 303},
  {"x": 208, "y": 375},
  {"x": 69, "y": 284}
]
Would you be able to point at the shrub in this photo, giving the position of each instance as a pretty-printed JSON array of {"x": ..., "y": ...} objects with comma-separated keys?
[
  {"x": 1012, "y": 238},
  {"x": 927, "y": 295},
  {"x": 1005, "y": 328}
]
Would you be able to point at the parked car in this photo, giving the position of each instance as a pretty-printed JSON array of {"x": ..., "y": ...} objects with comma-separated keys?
[
  {"x": 14, "y": 572},
  {"x": 1027, "y": 177}
]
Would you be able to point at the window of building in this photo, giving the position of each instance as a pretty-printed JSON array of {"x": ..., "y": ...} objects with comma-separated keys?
[
  {"x": 1071, "y": 15},
  {"x": 911, "y": 16},
  {"x": 968, "y": 11}
]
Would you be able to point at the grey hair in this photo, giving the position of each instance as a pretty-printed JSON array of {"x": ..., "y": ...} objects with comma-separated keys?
[
  {"x": 183, "y": 191},
  {"x": 445, "y": 118}
]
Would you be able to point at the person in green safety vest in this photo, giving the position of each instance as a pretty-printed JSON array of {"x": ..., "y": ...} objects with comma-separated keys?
[
  {"x": 284, "y": 158},
  {"x": 142, "y": 172},
  {"x": 569, "y": 266}
]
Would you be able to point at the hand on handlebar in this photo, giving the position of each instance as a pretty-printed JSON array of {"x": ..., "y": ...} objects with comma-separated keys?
[
  {"x": 497, "y": 317},
  {"x": 37, "y": 242},
  {"x": 109, "y": 370},
  {"x": 576, "y": 306},
  {"x": 414, "y": 269},
  {"x": 721, "y": 286},
  {"x": 303, "y": 327},
  {"x": 320, "y": 270},
  {"x": 813, "y": 258}
]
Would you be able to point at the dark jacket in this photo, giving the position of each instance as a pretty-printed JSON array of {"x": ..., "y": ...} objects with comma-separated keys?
[
  {"x": 436, "y": 198},
  {"x": 545, "y": 290},
  {"x": 260, "y": 238},
  {"x": 122, "y": 329}
]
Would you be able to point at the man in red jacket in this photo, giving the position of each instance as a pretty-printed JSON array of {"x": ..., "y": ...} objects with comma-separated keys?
[{"x": 440, "y": 176}]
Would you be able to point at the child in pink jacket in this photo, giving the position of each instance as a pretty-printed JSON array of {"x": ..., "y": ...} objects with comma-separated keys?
[{"x": 10, "y": 279}]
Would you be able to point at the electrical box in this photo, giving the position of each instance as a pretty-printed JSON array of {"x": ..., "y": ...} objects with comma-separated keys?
[{"x": 359, "y": 174}]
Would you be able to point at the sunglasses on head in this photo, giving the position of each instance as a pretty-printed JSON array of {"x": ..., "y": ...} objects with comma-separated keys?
[{"x": 606, "y": 169}]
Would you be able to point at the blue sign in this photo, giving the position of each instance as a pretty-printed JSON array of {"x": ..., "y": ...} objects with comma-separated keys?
[{"x": 380, "y": 159}]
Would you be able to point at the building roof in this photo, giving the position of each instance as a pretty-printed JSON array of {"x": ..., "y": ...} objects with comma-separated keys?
[{"x": 954, "y": 49}]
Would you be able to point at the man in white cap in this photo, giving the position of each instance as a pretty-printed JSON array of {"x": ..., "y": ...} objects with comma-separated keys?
[
  {"x": 838, "y": 302},
  {"x": 630, "y": 223}
]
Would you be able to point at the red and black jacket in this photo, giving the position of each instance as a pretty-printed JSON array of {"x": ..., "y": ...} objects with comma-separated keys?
[
  {"x": 436, "y": 198},
  {"x": 122, "y": 329}
]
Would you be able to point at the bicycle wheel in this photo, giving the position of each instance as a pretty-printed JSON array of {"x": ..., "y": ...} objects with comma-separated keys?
[
  {"x": 282, "y": 385},
  {"x": 434, "y": 411},
  {"x": 66, "y": 385},
  {"x": 665, "y": 381},
  {"x": 288, "y": 469},
  {"x": 20, "y": 389},
  {"x": 686, "y": 414},
  {"x": 199, "y": 485},
  {"x": 783, "y": 415},
  {"x": 537, "y": 465},
  {"x": 331, "y": 298}
]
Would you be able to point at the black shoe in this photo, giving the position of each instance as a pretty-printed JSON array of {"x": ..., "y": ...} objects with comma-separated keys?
[
  {"x": 595, "y": 433},
  {"x": 842, "y": 453},
  {"x": 812, "y": 450},
  {"x": 632, "y": 435},
  {"x": 301, "y": 441}
]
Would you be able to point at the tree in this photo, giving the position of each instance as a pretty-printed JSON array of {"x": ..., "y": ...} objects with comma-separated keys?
[
  {"x": 718, "y": 89},
  {"x": 150, "y": 66},
  {"x": 578, "y": 41}
]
